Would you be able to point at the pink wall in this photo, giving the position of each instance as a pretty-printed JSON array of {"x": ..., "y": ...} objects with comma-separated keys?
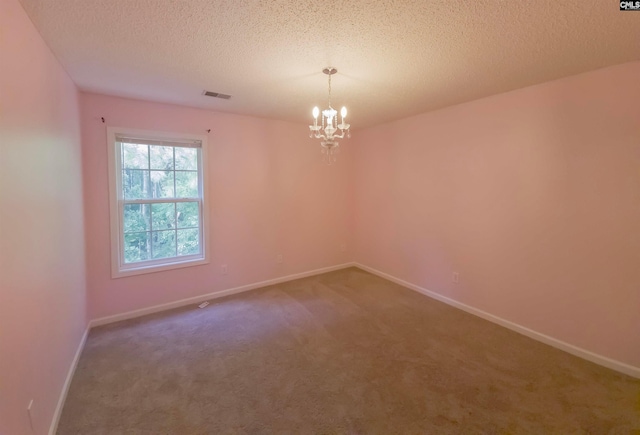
[
  {"x": 270, "y": 194},
  {"x": 533, "y": 197},
  {"x": 42, "y": 268}
]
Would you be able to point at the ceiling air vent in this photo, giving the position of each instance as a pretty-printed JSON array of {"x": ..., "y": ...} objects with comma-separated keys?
[{"x": 217, "y": 95}]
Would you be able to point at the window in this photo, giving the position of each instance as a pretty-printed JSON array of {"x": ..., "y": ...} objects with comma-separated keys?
[{"x": 158, "y": 213}]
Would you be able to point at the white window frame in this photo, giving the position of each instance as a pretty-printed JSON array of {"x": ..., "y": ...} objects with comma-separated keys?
[{"x": 116, "y": 202}]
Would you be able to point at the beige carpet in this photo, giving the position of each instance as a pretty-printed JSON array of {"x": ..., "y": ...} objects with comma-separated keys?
[{"x": 340, "y": 353}]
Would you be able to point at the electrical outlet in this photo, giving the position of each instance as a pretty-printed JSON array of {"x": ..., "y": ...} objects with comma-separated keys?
[
  {"x": 343, "y": 247},
  {"x": 224, "y": 269},
  {"x": 455, "y": 277},
  {"x": 279, "y": 258}
]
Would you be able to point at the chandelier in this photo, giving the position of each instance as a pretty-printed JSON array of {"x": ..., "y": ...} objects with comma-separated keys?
[{"x": 328, "y": 129}]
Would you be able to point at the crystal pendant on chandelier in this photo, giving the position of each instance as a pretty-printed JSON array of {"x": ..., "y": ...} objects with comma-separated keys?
[{"x": 328, "y": 129}]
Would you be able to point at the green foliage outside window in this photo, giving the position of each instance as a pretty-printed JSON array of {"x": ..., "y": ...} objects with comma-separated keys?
[{"x": 160, "y": 229}]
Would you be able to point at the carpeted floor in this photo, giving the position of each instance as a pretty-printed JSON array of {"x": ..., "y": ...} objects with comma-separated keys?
[{"x": 341, "y": 353}]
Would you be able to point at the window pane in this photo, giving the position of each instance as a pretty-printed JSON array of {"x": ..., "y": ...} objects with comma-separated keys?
[
  {"x": 162, "y": 184},
  {"x": 164, "y": 243},
  {"x": 163, "y": 215},
  {"x": 136, "y": 247},
  {"x": 187, "y": 158},
  {"x": 188, "y": 242},
  {"x": 186, "y": 184},
  {"x": 135, "y": 184},
  {"x": 161, "y": 157},
  {"x": 135, "y": 156},
  {"x": 136, "y": 217},
  {"x": 188, "y": 214}
]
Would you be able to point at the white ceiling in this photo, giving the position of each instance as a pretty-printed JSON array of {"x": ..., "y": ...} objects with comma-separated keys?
[{"x": 395, "y": 58}]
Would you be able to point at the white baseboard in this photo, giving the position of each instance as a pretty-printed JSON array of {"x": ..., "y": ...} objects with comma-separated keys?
[
  {"x": 558, "y": 344},
  {"x": 67, "y": 384},
  {"x": 213, "y": 295}
]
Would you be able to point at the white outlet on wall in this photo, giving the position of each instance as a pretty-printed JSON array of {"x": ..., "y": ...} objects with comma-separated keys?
[
  {"x": 279, "y": 258},
  {"x": 455, "y": 277},
  {"x": 224, "y": 269}
]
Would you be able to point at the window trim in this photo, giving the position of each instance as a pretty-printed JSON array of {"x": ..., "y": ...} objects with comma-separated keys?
[{"x": 115, "y": 216}]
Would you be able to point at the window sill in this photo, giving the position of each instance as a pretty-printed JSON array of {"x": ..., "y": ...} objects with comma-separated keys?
[{"x": 121, "y": 273}]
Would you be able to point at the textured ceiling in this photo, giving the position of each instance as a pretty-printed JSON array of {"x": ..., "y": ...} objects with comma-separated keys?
[{"x": 394, "y": 58}]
